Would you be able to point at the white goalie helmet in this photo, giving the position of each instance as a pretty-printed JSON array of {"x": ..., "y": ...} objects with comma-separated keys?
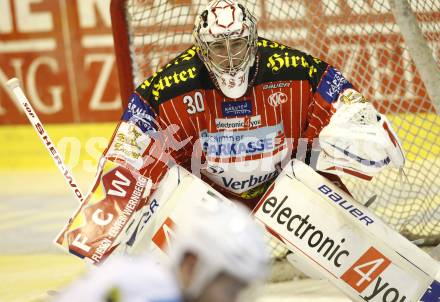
[
  {"x": 225, "y": 34},
  {"x": 225, "y": 239}
]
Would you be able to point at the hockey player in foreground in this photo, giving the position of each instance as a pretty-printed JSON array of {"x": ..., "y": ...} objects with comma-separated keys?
[
  {"x": 217, "y": 254},
  {"x": 238, "y": 110}
]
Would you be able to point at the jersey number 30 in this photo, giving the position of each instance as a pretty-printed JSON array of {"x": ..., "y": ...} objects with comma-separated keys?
[{"x": 194, "y": 104}]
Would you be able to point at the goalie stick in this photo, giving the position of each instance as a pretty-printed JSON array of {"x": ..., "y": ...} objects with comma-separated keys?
[{"x": 21, "y": 99}]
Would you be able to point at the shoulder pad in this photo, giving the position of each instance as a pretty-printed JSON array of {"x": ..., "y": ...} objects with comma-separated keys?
[
  {"x": 183, "y": 74},
  {"x": 280, "y": 62}
]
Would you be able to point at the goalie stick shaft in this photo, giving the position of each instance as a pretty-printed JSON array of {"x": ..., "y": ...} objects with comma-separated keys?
[{"x": 21, "y": 99}]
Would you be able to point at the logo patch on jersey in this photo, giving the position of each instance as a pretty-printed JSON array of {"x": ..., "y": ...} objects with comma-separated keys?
[
  {"x": 140, "y": 114},
  {"x": 251, "y": 181},
  {"x": 242, "y": 143},
  {"x": 276, "y": 85},
  {"x": 238, "y": 108},
  {"x": 238, "y": 122},
  {"x": 332, "y": 84},
  {"x": 215, "y": 169},
  {"x": 277, "y": 98},
  {"x": 129, "y": 143}
]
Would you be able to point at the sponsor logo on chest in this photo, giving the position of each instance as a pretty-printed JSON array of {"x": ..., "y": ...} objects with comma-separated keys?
[
  {"x": 241, "y": 143},
  {"x": 277, "y": 98},
  {"x": 237, "y": 108},
  {"x": 238, "y": 123},
  {"x": 249, "y": 182},
  {"x": 215, "y": 169}
]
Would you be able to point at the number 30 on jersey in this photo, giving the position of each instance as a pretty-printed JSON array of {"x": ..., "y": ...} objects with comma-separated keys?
[{"x": 194, "y": 104}]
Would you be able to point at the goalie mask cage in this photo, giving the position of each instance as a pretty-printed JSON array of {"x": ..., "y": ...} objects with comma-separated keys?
[{"x": 388, "y": 49}]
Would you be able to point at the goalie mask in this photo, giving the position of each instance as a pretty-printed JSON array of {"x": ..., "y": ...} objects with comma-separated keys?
[{"x": 225, "y": 34}]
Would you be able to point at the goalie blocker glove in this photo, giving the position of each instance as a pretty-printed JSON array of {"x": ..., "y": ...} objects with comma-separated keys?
[{"x": 358, "y": 140}]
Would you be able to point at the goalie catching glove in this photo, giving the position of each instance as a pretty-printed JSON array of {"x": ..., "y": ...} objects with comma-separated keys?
[{"x": 358, "y": 140}]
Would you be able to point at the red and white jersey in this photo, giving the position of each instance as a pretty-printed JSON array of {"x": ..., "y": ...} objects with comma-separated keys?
[{"x": 237, "y": 145}]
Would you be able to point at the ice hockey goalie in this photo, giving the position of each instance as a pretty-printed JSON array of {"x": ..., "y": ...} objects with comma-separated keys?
[{"x": 233, "y": 109}]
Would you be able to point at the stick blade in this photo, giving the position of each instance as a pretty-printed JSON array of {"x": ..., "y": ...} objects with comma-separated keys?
[{"x": 13, "y": 83}]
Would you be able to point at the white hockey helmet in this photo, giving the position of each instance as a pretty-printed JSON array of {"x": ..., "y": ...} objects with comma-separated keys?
[
  {"x": 123, "y": 278},
  {"x": 225, "y": 34},
  {"x": 225, "y": 239}
]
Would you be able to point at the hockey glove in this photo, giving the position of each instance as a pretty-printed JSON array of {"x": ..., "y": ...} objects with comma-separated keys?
[{"x": 359, "y": 141}]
